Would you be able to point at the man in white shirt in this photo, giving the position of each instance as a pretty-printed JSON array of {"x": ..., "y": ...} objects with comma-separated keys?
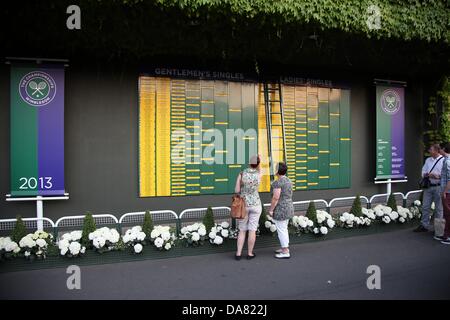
[{"x": 431, "y": 169}]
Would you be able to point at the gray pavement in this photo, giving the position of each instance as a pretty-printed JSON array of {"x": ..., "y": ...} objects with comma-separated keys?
[{"x": 413, "y": 266}]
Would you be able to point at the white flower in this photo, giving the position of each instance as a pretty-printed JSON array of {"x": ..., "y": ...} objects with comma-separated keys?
[
  {"x": 159, "y": 242},
  {"x": 189, "y": 228},
  {"x": 63, "y": 243},
  {"x": 83, "y": 250},
  {"x": 225, "y": 224},
  {"x": 417, "y": 203},
  {"x": 138, "y": 248},
  {"x": 214, "y": 229},
  {"x": 393, "y": 215},
  {"x": 64, "y": 251},
  {"x": 330, "y": 223},
  {"x": 386, "y": 209},
  {"x": 27, "y": 242},
  {"x": 184, "y": 230},
  {"x": 202, "y": 231},
  {"x": 342, "y": 218},
  {"x": 165, "y": 235},
  {"x": 155, "y": 233},
  {"x": 402, "y": 220},
  {"x": 310, "y": 223},
  {"x": 99, "y": 242},
  {"x": 224, "y": 233},
  {"x": 168, "y": 246},
  {"x": 323, "y": 230},
  {"x": 386, "y": 219},
  {"x": 218, "y": 240},
  {"x": 126, "y": 238},
  {"x": 140, "y": 236},
  {"x": 267, "y": 224},
  {"x": 136, "y": 229},
  {"x": 75, "y": 248},
  {"x": 27, "y": 253},
  {"x": 316, "y": 230},
  {"x": 76, "y": 235},
  {"x": 212, "y": 235},
  {"x": 195, "y": 236},
  {"x": 11, "y": 246},
  {"x": 114, "y": 236},
  {"x": 273, "y": 228}
]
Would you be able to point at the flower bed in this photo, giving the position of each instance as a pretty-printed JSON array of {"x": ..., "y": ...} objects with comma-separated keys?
[{"x": 91, "y": 240}]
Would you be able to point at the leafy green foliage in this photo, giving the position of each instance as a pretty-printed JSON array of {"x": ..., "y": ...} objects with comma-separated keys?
[
  {"x": 254, "y": 32},
  {"x": 391, "y": 202},
  {"x": 147, "y": 226},
  {"x": 437, "y": 117},
  {"x": 356, "y": 207},
  {"x": 311, "y": 213},
  {"x": 208, "y": 219},
  {"x": 404, "y": 20},
  {"x": 88, "y": 227},
  {"x": 19, "y": 230}
]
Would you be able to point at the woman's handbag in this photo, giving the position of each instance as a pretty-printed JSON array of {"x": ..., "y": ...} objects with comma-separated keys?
[{"x": 238, "y": 210}]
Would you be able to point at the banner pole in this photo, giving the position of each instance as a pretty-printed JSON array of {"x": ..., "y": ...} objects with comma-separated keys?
[
  {"x": 389, "y": 186},
  {"x": 39, "y": 213}
]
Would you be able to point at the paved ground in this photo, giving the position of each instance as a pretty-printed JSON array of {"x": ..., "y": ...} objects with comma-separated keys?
[{"x": 413, "y": 266}]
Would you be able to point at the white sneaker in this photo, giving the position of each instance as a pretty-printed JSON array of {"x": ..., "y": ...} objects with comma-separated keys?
[{"x": 282, "y": 255}]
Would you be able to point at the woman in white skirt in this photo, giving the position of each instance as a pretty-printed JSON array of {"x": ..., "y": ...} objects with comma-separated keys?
[{"x": 282, "y": 209}]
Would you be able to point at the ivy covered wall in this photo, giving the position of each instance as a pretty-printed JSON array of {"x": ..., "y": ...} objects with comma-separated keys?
[{"x": 262, "y": 35}]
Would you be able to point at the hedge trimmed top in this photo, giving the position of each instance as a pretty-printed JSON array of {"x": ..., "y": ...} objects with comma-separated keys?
[{"x": 401, "y": 19}]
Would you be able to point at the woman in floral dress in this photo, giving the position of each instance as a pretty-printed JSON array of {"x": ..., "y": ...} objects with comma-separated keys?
[{"x": 247, "y": 185}]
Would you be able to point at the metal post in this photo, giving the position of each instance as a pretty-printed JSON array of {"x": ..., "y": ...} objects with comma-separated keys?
[
  {"x": 389, "y": 186},
  {"x": 39, "y": 213}
]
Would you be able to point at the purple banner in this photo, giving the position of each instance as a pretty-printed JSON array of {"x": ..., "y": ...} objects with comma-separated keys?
[{"x": 390, "y": 132}]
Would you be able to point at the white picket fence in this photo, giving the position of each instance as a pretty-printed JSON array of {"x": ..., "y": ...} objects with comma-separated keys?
[{"x": 191, "y": 215}]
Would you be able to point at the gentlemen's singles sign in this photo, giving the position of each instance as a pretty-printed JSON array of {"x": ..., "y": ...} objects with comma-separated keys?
[
  {"x": 390, "y": 132},
  {"x": 37, "y": 130}
]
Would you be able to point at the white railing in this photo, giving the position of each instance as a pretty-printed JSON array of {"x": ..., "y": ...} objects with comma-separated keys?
[
  {"x": 77, "y": 221},
  {"x": 196, "y": 214},
  {"x": 374, "y": 199},
  {"x": 30, "y": 223}
]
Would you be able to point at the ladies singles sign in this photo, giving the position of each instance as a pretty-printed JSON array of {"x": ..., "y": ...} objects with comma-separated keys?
[
  {"x": 390, "y": 132},
  {"x": 37, "y": 130}
]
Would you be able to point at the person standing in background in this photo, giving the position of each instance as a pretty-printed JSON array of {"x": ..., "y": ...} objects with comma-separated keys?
[
  {"x": 445, "y": 187},
  {"x": 282, "y": 209},
  {"x": 431, "y": 169}
]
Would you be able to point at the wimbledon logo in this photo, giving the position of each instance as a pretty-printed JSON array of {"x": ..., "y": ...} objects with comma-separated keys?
[
  {"x": 390, "y": 101},
  {"x": 37, "y": 88}
]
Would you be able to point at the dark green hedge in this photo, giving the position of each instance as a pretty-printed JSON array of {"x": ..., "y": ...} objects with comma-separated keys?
[{"x": 402, "y": 19}]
